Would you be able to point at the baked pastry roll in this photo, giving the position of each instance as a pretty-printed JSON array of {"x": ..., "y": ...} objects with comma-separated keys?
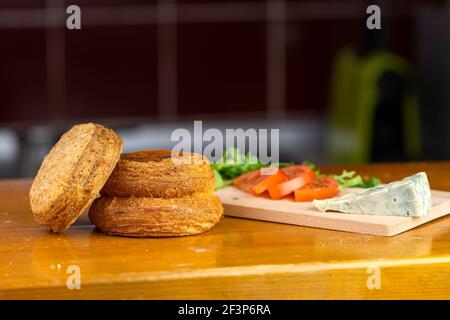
[
  {"x": 159, "y": 174},
  {"x": 72, "y": 174},
  {"x": 156, "y": 217}
]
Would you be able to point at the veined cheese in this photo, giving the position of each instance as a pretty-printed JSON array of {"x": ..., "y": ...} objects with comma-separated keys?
[{"x": 410, "y": 197}]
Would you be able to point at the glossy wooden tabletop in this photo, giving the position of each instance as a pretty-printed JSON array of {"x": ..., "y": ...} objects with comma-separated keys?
[{"x": 238, "y": 259}]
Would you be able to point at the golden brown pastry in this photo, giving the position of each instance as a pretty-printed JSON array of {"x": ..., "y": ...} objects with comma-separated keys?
[
  {"x": 72, "y": 174},
  {"x": 153, "y": 173},
  {"x": 156, "y": 217}
]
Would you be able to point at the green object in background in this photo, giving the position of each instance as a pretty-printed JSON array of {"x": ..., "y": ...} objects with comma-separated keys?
[{"x": 354, "y": 98}]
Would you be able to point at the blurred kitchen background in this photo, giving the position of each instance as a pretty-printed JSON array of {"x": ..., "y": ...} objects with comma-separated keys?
[{"x": 338, "y": 92}]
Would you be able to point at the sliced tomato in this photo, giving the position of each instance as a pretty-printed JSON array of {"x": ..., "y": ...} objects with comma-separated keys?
[
  {"x": 296, "y": 171},
  {"x": 268, "y": 181},
  {"x": 319, "y": 189},
  {"x": 298, "y": 177},
  {"x": 246, "y": 181},
  {"x": 255, "y": 183}
]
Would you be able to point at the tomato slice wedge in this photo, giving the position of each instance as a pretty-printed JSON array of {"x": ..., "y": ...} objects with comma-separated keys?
[
  {"x": 296, "y": 170},
  {"x": 246, "y": 181},
  {"x": 255, "y": 183},
  {"x": 298, "y": 177},
  {"x": 319, "y": 189},
  {"x": 268, "y": 181}
]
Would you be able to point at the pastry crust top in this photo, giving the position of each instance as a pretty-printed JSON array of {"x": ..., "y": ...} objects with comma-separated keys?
[
  {"x": 72, "y": 174},
  {"x": 160, "y": 174}
]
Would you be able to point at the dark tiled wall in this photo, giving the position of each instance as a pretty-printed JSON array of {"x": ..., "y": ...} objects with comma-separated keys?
[
  {"x": 127, "y": 61},
  {"x": 111, "y": 71},
  {"x": 222, "y": 67},
  {"x": 22, "y": 74}
]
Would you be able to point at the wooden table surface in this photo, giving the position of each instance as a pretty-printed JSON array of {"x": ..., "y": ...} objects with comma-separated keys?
[{"x": 238, "y": 259}]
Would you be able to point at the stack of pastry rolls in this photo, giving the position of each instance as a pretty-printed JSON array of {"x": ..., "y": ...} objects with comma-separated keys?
[{"x": 158, "y": 193}]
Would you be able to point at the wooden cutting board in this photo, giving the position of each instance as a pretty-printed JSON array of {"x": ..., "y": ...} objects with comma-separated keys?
[{"x": 243, "y": 205}]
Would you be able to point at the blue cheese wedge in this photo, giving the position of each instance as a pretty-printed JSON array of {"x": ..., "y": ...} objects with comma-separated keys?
[{"x": 410, "y": 197}]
